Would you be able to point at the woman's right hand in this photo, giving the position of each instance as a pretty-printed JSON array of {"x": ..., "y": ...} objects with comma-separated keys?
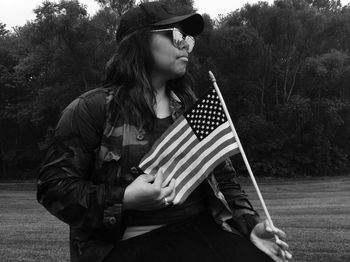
[{"x": 146, "y": 193}]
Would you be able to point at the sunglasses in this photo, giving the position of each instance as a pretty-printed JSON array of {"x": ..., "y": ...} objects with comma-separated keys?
[{"x": 180, "y": 40}]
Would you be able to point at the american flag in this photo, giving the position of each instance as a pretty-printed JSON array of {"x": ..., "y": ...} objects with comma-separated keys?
[{"x": 192, "y": 146}]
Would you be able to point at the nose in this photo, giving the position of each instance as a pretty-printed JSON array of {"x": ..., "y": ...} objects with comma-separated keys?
[{"x": 184, "y": 45}]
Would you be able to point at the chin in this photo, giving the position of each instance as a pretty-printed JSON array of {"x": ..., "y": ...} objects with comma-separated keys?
[
  {"x": 176, "y": 73},
  {"x": 181, "y": 71}
]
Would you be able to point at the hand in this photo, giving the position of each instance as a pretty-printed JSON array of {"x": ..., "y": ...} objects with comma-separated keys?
[
  {"x": 146, "y": 193},
  {"x": 263, "y": 236}
]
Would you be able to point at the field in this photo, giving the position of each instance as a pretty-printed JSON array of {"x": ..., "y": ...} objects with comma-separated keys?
[{"x": 315, "y": 213}]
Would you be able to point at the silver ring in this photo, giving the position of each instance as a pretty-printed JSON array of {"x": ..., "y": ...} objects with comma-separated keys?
[{"x": 166, "y": 203}]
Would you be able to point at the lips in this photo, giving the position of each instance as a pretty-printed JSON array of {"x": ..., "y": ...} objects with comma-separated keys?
[{"x": 183, "y": 58}]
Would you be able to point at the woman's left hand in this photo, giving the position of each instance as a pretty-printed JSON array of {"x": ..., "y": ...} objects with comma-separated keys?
[{"x": 263, "y": 236}]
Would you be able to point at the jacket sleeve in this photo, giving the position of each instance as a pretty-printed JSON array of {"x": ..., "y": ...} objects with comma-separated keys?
[
  {"x": 244, "y": 216},
  {"x": 64, "y": 186}
]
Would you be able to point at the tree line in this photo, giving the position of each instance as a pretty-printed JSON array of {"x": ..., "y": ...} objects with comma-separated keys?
[{"x": 283, "y": 68}]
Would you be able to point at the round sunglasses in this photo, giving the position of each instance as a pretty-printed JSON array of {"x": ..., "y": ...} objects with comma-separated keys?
[{"x": 180, "y": 40}]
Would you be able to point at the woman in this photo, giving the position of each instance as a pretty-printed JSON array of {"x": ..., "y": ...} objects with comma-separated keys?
[{"x": 90, "y": 179}]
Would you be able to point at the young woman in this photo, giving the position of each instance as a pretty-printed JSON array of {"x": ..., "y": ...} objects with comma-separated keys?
[{"x": 90, "y": 179}]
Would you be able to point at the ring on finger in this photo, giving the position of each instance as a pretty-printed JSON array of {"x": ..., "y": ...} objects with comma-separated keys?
[{"x": 166, "y": 202}]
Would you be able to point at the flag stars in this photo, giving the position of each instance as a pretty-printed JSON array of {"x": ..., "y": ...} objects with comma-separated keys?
[{"x": 206, "y": 116}]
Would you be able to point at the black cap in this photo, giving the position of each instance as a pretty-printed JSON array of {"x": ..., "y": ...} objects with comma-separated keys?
[{"x": 156, "y": 14}]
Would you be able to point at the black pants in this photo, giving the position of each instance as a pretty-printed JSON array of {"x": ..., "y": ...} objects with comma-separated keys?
[{"x": 198, "y": 239}]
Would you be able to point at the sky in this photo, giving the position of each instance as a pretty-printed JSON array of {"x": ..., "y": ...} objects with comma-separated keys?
[{"x": 18, "y": 12}]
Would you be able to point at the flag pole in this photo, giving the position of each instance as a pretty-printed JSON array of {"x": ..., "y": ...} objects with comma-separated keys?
[{"x": 212, "y": 78}]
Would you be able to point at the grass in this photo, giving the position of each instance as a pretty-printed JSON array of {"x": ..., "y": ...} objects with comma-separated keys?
[{"x": 315, "y": 213}]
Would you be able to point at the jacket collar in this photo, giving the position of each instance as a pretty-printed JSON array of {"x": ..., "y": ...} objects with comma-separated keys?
[{"x": 176, "y": 106}]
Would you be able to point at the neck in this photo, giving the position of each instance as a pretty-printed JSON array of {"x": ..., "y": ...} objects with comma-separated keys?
[
  {"x": 162, "y": 100},
  {"x": 159, "y": 84}
]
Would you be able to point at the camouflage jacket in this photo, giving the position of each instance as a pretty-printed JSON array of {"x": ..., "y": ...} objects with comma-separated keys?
[{"x": 82, "y": 182}]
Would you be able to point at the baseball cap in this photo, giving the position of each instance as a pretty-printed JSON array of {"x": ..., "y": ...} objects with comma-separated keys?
[{"x": 156, "y": 14}]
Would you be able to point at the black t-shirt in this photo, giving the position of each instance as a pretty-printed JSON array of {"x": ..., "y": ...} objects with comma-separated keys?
[{"x": 194, "y": 204}]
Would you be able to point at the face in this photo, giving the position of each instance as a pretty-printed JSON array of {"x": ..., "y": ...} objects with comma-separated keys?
[{"x": 169, "y": 61}]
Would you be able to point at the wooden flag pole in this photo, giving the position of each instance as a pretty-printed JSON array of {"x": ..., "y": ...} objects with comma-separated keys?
[{"x": 212, "y": 78}]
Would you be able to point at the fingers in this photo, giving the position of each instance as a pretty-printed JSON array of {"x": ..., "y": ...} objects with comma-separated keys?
[
  {"x": 161, "y": 191},
  {"x": 274, "y": 230},
  {"x": 280, "y": 255},
  {"x": 147, "y": 178},
  {"x": 159, "y": 179},
  {"x": 169, "y": 191},
  {"x": 289, "y": 255},
  {"x": 285, "y": 255},
  {"x": 279, "y": 233},
  {"x": 276, "y": 258},
  {"x": 281, "y": 250},
  {"x": 283, "y": 245}
]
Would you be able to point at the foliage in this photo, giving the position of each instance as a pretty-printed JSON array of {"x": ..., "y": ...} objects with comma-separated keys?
[{"x": 283, "y": 68}]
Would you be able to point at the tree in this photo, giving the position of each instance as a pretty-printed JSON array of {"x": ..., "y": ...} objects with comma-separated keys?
[
  {"x": 3, "y": 30},
  {"x": 118, "y": 6},
  {"x": 56, "y": 60},
  {"x": 180, "y": 6},
  {"x": 283, "y": 68}
]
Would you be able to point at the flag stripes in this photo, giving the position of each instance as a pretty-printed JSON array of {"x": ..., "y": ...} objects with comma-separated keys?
[
  {"x": 170, "y": 138},
  {"x": 193, "y": 182},
  {"x": 192, "y": 147},
  {"x": 191, "y": 159}
]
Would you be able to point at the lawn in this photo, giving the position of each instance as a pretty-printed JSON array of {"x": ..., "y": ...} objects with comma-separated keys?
[{"x": 315, "y": 213}]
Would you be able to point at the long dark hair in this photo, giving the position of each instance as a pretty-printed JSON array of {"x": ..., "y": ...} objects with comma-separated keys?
[{"x": 128, "y": 73}]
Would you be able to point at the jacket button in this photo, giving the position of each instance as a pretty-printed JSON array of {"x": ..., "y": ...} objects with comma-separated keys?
[
  {"x": 139, "y": 137},
  {"x": 112, "y": 220},
  {"x": 134, "y": 171}
]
